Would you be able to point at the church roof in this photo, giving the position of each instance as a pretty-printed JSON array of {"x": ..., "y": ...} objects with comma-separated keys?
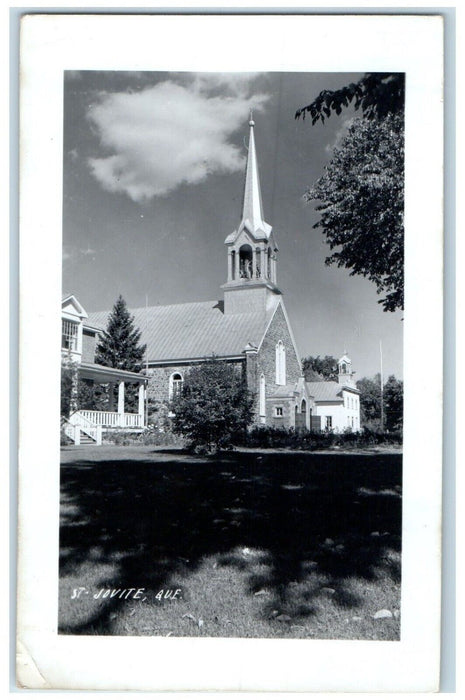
[
  {"x": 285, "y": 391},
  {"x": 194, "y": 330},
  {"x": 328, "y": 391}
]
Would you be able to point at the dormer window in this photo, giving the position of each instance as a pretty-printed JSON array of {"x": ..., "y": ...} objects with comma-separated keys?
[{"x": 69, "y": 335}]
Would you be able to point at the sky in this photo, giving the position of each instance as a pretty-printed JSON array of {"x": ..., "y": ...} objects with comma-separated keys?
[{"x": 153, "y": 177}]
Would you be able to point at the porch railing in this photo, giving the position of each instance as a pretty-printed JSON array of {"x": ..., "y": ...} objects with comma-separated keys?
[
  {"x": 74, "y": 428},
  {"x": 108, "y": 419}
]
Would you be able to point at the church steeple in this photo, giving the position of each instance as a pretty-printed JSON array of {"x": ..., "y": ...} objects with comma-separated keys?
[
  {"x": 252, "y": 207},
  {"x": 252, "y": 250}
]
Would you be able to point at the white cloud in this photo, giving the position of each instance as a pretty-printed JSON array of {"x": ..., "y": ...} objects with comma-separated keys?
[
  {"x": 170, "y": 134},
  {"x": 340, "y": 135}
]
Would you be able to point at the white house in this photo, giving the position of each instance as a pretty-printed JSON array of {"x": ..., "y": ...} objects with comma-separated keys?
[{"x": 337, "y": 404}]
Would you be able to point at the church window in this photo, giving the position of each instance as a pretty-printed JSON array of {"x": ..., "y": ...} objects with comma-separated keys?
[
  {"x": 329, "y": 422},
  {"x": 233, "y": 264},
  {"x": 262, "y": 401},
  {"x": 69, "y": 335},
  {"x": 278, "y": 411},
  {"x": 343, "y": 368},
  {"x": 280, "y": 363},
  {"x": 175, "y": 385},
  {"x": 268, "y": 264}
]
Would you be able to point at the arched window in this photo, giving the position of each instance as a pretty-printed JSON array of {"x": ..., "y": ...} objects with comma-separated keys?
[
  {"x": 303, "y": 406},
  {"x": 175, "y": 385},
  {"x": 280, "y": 363},
  {"x": 262, "y": 397},
  {"x": 343, "y": 368},
  {"x": 246, "y": 262}
]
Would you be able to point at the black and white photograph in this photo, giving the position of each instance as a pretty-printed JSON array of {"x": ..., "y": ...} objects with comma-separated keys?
[
  {"x": 232, "y": 467},
  {"x": 232, "y": 356}
]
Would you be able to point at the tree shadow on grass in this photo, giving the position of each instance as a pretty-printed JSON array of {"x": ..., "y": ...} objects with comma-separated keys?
[{"x": 156, "y": 520}]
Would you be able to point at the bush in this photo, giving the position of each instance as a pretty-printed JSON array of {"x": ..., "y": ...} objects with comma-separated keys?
[
  {"x": 266, "y": 437},
  {"x": 160, "y": 438},
  {"x": 214, "y": 408}
]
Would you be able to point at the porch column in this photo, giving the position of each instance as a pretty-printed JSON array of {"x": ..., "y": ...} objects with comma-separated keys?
[
  {"x": 141, "y": 402},
  {"x": 121, "y": 403},
  {"x": 111, "y": 396}
]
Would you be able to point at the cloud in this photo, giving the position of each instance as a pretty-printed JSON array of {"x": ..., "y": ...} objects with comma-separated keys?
[
  {"x": 340, "y": 135},
  {"x": 170, "y": 134}
]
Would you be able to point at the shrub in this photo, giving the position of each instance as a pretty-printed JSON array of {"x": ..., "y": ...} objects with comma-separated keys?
[
  {"x": 267, "y": 437},
  {"x": 214, "y": 408}
]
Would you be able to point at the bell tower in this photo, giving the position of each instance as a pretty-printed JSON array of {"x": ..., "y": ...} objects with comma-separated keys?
[
  {"x": 345, "y": 374},
  {"x": 251, "y": 248}
]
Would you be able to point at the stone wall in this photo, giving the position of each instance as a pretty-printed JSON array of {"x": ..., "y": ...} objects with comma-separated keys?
[
  {"x": 158, "y": 389},
  {"x": 266, "y": 364}
]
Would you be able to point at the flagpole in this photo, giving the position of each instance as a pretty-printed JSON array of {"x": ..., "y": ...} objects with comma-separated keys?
[
  {"x": 381, "y": 383},
  {"x": 146, "y": 362}
]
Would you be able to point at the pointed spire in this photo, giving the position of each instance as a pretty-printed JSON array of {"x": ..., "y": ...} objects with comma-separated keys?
[{"x": 252, "y": 208}]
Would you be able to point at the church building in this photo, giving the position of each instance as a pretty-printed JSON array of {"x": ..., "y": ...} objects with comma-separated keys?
[{"x": 248, "y": 327}]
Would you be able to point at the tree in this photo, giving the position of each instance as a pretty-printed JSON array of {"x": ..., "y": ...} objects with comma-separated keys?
[
  {"x": 317, "y": 369},
  {"x": 214, "y": 406},
  {"x": 370, "y": 402},
  {"x": 362, "y": 205},
  {"x": 394, "y": 403},
  {"x": 69, "y": 386},
  {"x": 119, "y": 347},
  {"x": 362, "y": 190},
  {"x": 119, "y": 344},
  {"x": 376, "y": 94}
]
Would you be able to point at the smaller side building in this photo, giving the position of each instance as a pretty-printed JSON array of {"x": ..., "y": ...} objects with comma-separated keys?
[{"x": 337, "y": 404}]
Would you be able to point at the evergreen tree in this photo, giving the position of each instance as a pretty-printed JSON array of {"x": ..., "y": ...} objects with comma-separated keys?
[
  {"x": 119, "y": 347},
  {"x": 119, "y": 344}
]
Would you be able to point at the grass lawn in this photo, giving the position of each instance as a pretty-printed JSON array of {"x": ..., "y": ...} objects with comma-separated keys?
[{"x": 247, "y": 544}]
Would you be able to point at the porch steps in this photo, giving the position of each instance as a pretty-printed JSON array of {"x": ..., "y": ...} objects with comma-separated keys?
[{"x": 86, "y": 439}]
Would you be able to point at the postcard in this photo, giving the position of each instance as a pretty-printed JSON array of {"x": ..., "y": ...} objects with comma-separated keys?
[{"x": 230, "y": 352}]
